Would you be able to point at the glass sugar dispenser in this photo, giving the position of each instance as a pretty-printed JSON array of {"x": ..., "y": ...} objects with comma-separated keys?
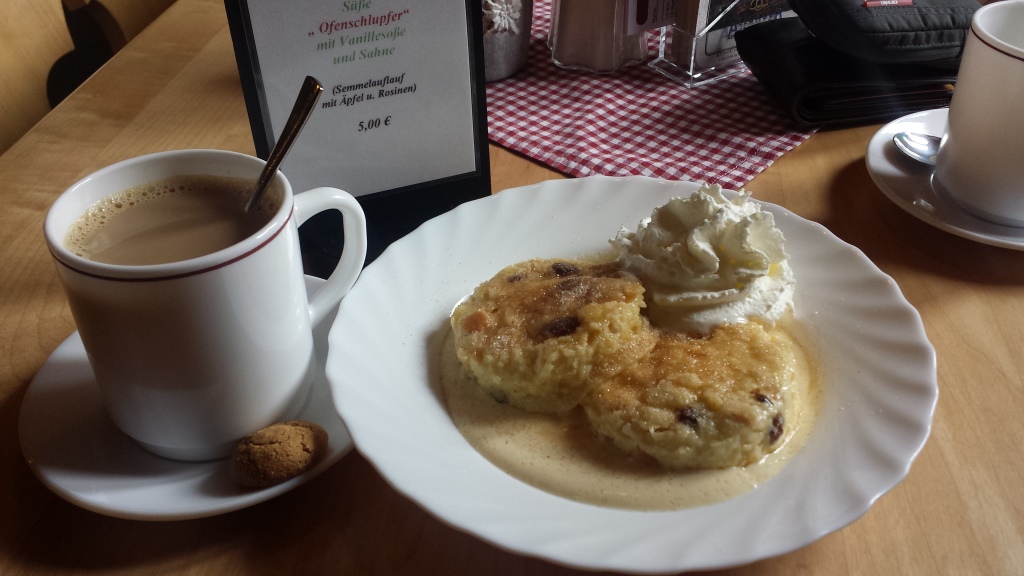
[{"x": 591, "y": 35}]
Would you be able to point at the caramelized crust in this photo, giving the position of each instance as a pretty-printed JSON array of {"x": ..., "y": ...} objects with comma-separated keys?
[
  {"x": 710, "y": 402},
  {"x": 539, "y": 333}
]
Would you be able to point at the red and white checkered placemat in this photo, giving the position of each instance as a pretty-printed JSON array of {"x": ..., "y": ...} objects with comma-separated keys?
[{"x": 636, "y": 121}]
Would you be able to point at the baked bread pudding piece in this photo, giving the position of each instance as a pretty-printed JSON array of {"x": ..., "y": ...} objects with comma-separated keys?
[
  {"x": 540, "y": 333},
  {"x": 712, "y": 402}
]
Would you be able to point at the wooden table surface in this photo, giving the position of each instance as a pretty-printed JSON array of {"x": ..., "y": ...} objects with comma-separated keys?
[{"x": 960, "y": 510}]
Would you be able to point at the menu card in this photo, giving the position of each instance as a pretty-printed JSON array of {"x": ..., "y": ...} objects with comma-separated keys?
[
  {"x": 644, "y": 15},
  {"x": 401, "y": 124}
]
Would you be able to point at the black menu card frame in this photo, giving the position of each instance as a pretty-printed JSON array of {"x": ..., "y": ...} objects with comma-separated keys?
[{"x": 391, "y": 213}]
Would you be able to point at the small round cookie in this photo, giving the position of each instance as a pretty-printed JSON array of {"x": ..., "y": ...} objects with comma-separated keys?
[
  {"x": 277, "y": 453},
  {"x": 536, "y": 333},
  {"x": 713, "y": 402}
]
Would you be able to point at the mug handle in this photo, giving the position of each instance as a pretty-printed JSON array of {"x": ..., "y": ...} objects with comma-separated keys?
[{"x": 353, "y": 253}]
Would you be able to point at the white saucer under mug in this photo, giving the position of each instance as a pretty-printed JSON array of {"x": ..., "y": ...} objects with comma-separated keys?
[
  {"x": 912, "y": 187},
  {"x": 77, "y": 451}
]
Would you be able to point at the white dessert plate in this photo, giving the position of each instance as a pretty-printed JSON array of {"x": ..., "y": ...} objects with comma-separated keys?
[
  {"x": 76, "y": 451},
  {"x": 879, "y": 386},
  {"x": 910, "y": 185}
]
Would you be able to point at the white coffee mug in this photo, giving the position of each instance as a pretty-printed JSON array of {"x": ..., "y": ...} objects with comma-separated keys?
[
  {"x": 191, "y": 356},
  {"x": 981, "y": 158}
]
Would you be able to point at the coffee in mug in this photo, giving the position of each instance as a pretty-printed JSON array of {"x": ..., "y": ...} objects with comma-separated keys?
[
  {"x": 194, "y": 349},
  {"x": 169, "y": 220}
]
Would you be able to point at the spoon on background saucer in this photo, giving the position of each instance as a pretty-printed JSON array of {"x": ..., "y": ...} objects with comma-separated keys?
[
  {"x": 304, "y": 103},
  {"x": 920, "y": 147}
]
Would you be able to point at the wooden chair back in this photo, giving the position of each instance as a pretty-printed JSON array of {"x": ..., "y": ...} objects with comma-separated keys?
[{"x": 33, "y": 35}]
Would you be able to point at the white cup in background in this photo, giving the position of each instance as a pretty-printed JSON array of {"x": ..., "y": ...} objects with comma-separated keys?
[
  {"x": 191, "y": 356},
  {"x": 981, "y": 159}
]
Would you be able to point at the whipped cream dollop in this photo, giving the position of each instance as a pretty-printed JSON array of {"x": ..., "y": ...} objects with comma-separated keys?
[{"x": 709, "y": 260}]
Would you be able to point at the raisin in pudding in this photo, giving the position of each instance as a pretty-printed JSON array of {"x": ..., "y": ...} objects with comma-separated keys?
[{"x": 671, "y": 374}]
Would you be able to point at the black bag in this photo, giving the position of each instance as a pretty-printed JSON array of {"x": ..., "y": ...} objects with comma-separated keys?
[
  {"x": 888, "y": 32},
  {"x": 848, "y": 62}
]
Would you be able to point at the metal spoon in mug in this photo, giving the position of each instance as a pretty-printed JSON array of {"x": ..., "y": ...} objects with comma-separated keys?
[
  {"x": 307, "y": 99},
  {"x": 920, "y": 147}
]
